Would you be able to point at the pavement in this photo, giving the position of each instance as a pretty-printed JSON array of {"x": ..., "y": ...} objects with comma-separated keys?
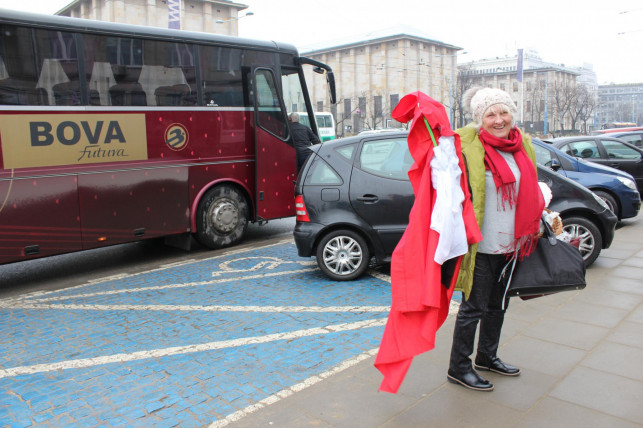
[
  {"x": 258, "y": 337},
  {"x": 580, "y": 353}
]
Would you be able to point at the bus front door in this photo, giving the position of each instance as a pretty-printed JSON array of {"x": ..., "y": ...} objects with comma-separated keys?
[{"x": 276, "y": 165}]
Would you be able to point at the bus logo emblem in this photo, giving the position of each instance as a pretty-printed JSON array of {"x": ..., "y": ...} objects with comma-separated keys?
[{"x": 176, "y": 137}]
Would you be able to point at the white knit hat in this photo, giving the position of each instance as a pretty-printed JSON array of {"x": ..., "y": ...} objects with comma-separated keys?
[{"x": 479, "y": 99}]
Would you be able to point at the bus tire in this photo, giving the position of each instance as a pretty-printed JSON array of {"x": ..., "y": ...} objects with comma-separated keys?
[{"x": 222, "y": 217}]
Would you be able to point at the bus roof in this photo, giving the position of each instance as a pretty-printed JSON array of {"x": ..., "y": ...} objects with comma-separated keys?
[
  {"x": 127, "y": 30},
  {"x": 611, "y": 130}
]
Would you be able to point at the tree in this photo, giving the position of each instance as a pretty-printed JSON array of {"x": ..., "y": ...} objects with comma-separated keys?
[
  {"x": 562, "y": 97},
  {"x": 582, "y": 106},
  {"x": 464, "y": 82}
]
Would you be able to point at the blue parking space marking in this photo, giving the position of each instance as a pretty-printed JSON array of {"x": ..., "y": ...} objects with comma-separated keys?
[{"x": 187, "y": 345}]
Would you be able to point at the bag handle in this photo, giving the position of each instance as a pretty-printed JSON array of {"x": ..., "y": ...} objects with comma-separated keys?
[
  {"x": 511, "y": 264},
  {"x": 549, "y": 232}
]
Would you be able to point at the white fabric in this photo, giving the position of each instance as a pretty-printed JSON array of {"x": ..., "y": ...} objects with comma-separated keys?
[
  {"x": 446, "y": 218},
  {"x": 546, "y": 191}
]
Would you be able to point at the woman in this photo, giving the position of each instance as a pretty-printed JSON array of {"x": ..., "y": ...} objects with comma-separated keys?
[{"x": 508, "y": 204}]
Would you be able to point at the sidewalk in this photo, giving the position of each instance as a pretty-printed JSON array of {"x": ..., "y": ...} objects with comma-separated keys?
[{"x": 581, "y": 357}]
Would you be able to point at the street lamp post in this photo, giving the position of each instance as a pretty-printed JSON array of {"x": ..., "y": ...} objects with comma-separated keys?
[
  {"x": 234, "y": 31},
  {"x": 633, "y": 116},
  {"x": 223, "y": 21},
  {"x": 545, "y": 121}
]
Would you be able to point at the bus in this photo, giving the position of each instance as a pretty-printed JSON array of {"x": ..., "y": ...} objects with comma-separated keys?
[
  {"x": 325, "y": 124},
  {"x": 631, "y": 126},
  {"x": 113, "y": 133}
]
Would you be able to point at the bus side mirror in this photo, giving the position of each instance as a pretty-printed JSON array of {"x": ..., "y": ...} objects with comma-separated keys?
[{"x": 330, "y": 78}]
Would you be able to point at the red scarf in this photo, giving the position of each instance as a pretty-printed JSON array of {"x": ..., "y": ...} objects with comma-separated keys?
[{"x": 528, "y": 208}]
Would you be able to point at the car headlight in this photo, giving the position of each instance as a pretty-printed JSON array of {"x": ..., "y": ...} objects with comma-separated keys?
[
  {"x": 600, "y": 201},
  {"x": 629, "y": 183}
]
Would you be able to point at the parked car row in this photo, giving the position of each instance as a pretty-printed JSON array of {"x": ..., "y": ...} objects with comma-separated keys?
[
  {"x": 617, "y": 188},
  {"x": 353, "y": 199},
  {"x": 607, "y": 151}
]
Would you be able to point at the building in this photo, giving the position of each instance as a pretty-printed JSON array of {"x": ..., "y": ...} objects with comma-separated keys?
[
  {"x": 620, "y": 103},
  {"x": 211, "y": 16},
  {"x": 551, "y": 99},
  {"x": 373, "y": 71}
]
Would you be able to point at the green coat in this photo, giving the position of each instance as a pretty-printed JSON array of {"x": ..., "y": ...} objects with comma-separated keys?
[{"x": 473, "y": 153}]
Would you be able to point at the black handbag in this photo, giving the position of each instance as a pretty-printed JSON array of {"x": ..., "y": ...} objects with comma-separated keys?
[{"x": 554, "y": 266}]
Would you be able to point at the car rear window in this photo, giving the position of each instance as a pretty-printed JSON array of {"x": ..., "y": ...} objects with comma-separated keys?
[
  {"x": 320, "y": 173},
  {"x": 386, "y": 158}
]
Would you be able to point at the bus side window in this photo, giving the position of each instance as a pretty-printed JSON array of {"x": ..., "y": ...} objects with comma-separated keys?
[
  {"x": 221, "y": 76},
  {"x": 163, "y": 78},
  {"x": 34, "y": 66}
]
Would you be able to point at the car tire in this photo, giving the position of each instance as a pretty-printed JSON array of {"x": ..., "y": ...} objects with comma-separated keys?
[
  {"x": 610, "y": 201},
  {"x": 343, "y": 255},
  {"x": 590, "y": 237},
  {"x": 222, "y": 217}
]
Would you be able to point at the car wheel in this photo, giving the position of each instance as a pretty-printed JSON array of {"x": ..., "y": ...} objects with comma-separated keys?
[
  {"x": 588, "y": 235},
  {"x": 222, "y": 217},
  {"x": 343, "y": 255},
  {"x": 610, "y": 201}
]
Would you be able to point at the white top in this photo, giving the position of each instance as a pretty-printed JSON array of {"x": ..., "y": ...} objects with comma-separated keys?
[
  {"x": 446, "y": 218},
  {"x": 499, "y": 222}
]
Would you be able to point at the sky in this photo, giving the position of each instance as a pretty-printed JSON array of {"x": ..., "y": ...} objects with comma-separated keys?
[{"x": 606, "y": 34}]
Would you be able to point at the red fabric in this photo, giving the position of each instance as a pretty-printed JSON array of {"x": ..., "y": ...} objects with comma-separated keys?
[
  {"x": 528, "y": 208},
  {"x": 420, "y": 303}
]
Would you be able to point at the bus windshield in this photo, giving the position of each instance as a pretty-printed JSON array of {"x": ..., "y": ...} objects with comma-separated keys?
[{"x": 325, "y": 124}]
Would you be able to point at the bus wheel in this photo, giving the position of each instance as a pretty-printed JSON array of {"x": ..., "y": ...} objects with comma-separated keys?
[{"x": 222, "y": 217}]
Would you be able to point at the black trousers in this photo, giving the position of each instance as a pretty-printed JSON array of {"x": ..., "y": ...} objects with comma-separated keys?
[{"x": 484, "y": 306}]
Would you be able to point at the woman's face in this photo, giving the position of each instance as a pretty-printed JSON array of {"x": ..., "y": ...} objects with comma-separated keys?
[{"x": 497, "y": 121}]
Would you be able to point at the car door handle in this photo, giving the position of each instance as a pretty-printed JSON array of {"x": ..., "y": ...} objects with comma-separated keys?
[{"x": 368, "y": 198}]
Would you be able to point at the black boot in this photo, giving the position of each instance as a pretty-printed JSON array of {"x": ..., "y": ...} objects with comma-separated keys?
[
  {"x": 460, "y": 369},
  {"x": 486, "y": 358}
]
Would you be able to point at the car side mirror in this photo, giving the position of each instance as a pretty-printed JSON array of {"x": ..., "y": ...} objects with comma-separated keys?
[{"x": 556, "y": 165}]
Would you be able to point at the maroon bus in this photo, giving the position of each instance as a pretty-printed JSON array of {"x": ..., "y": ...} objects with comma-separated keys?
[{"x": 114, "y": 133}]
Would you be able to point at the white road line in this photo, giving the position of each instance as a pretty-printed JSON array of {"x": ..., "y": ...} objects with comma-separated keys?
[
  {"x": 199, "y": 308},
  {"x": 38, "y": 294},
  {"x": 178, "y": 350},
  {"x": 169, "y": 286},
  {"x": 234, "y": 417}
]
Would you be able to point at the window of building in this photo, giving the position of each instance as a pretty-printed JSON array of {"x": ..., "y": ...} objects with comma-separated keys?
[
  {"x": 515, "y": 86},
  {"x": 347, "y": 108},
  {"x": 395, "y": 98},
  {"x": 377, "y": 105},
  {"x": 362, "y": 104}
]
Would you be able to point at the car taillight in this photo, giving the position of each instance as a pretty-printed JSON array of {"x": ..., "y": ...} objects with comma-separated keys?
[{"x": 300, "y": 209}]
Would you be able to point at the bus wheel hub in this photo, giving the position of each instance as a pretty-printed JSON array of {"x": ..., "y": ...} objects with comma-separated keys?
[{"x": 226, "y": 217}]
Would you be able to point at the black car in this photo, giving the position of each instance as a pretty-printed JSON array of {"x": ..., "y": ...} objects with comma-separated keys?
[
  {"x": 632, "y": 137},
  {"x": 353, "y": 199},
  {"x": 607, "y": 151}
]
